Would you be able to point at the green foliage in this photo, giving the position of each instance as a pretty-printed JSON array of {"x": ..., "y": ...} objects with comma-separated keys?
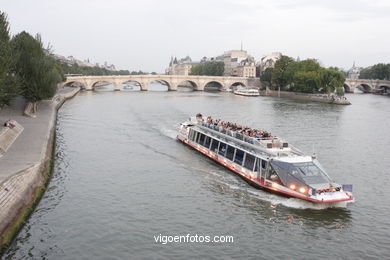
[
  {"x": 266, "y": 76},
  {"x": 340, "y": 91},
  {"x": 213, "y": 68},
  {"x": 306, "y": 76},
  {"x": 36, "y": 70},
  {"x": 306, "y": 81},
  {"x": 84, "y": 70},
  {"x": 331, "y": 79},
  {"x": 8, "y": 82},
  {"x": 282, "y": 74},
  {"x": 140, "y": 72},
  {"x": 378, "y": 71}
]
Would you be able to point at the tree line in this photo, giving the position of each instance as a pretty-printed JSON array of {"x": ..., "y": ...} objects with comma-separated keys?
[
  {"x": 95, "y": 70},
  {"x": 86, "y": 70},
  {"x": 378, "y": 71},
  {"x": 25, "y": 67},
  {"x": 213, "y": 68},
  {"x": 30, "y": 70},
  {"x": 306, "y": 76}
]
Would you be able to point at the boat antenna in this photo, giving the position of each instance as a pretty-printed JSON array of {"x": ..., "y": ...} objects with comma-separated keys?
[{"x": 314, "y": 156}]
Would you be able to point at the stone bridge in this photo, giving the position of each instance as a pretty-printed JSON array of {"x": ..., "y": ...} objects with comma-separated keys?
[
  {"x": 366, "y": 85},
  {"x": 171, "y": 81}
]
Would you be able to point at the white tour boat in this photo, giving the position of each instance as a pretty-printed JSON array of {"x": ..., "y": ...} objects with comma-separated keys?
[
  {"x": 249, "y": 92},
  {"x": 265, "y": 161}
]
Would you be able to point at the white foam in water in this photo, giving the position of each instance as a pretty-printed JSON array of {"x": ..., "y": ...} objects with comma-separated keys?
[
  {"x": 168, "y": 132},
  {"x": 279, "y": 200}
]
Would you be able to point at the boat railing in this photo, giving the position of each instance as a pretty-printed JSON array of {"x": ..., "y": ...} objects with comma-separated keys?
[
  {"x": 237, "y": 135},
  {"x": 265, "y": 142}
]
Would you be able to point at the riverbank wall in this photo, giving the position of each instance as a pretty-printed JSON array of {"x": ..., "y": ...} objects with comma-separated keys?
[
  {"x": 20, "y": 191},
  {"x": 323, "y": 98}
]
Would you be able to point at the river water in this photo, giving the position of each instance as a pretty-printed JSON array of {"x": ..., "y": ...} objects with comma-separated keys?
[{"x": 121, "y": 179}]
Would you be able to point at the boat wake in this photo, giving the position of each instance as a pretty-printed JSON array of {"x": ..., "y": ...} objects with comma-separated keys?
[
  {"x": 169, "y": 132},
  {"x": 237, "y": 185}
]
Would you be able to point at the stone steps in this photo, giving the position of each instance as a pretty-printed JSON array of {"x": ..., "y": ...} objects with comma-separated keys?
[{"x": 8, "y": 136}]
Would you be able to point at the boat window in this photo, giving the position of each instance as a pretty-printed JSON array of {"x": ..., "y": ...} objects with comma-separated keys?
[
  {"x": 191, "y": 135},
  {"x": 207, "y": 141},
  {"x": 195, "y": 136},
  {"x": 311, "y": 173},
  {"x": 257, "y": 164},
  {"x": 239, "y": 157},
  {"x": 222, "y": 149},
  {"x": 201, "y": 139},
  {"x": 263, "y": 164},
  {"x": 214, "y": 145},
  {"x": 249, "y": 161},
  {"x": 230, "y": 152}
]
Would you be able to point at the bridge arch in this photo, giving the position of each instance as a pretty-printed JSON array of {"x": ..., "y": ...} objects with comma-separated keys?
[
  {"x": 213, "y": 85},
  {"x": 188, "y": 84},
  {"x": 237, "y": 84},
  {"x": 75, "y": 84},
  {"x": 347, "y": 88},
  {"x": 385, "y": 89},
  {"x": 153, "y": 86},
  {"x": 382, "y": 86},
  {"x": 103, "y": 85},
  {"x": 366, "y": 88},
  {"x": 131, "y": 85}
]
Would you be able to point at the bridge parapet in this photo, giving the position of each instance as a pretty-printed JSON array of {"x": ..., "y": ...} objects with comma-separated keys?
[
  {"x": 172, "y": 81},
  {"x": 366, "y": 85}
]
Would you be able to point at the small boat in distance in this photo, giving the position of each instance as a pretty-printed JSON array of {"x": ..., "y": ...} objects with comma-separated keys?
[
  {"x": 248, "y": 92},
  {"x": 264, "y": 161},
  {"x": 128, "y": 87}
]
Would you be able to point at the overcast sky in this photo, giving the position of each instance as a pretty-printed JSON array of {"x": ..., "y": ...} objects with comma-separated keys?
[{"x": 142, "y": 35}]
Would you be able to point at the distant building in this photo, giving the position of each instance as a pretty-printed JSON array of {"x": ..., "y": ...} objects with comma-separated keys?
[
  {"x": 354, "y": 72},
  {"x": 246, "y": 68},
  {"x": 181, "y": 67},
  {"x": 268, "y": 61},
  {"x": 237, "y": 63}
]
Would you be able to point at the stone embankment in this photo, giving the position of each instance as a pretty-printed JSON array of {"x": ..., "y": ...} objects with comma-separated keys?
[
  {"x": 26, "y": 163},
  {"x": 323, "y": 98}
]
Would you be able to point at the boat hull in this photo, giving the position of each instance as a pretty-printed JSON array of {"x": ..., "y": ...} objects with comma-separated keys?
[
  {"x": 246, "y": 95},
  {"x": 260, "y": 183}
]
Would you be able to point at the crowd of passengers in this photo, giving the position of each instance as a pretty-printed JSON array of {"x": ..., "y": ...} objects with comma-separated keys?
[{"x": 236, "y": 128}]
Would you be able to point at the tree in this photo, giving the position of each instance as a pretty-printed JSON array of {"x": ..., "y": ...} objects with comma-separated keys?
[
  {"x": 36, "y": 70},
  {"x": 213, "y": 68},
  {"x": 378, "y": 71},
  {"x": 266, "y": 76},
  {"x": 306, "y": 81},
  {"x": 283, "y": 72},
  {"x": 331, "y": 79},
  {"x": 8, "y": 83}
]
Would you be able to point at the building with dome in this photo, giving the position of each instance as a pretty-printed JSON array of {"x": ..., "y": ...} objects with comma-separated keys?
[{"x": 354, "y": 72}]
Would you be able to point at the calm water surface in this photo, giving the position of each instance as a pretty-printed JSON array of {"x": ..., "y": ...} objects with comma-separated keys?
[{"x": 121, "y": 178}]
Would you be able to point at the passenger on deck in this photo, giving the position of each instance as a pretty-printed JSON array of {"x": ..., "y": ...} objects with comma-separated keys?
[
  {"x": 9, "y": 123},
  {"x": 253, "y": 133}
]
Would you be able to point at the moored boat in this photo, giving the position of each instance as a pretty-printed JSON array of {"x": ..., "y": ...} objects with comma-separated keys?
[
  {"x": 249, "y": 92},
  {"x": 265, "y": 161}
]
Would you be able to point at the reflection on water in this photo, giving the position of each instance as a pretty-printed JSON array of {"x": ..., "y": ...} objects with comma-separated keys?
[{"x": 120, "y": 178}]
